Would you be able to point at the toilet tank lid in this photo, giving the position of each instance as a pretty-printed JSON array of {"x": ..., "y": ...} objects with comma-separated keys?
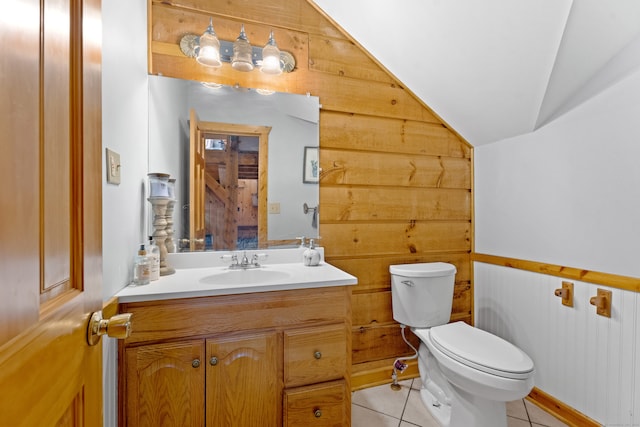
[{"x": 425, "y": 269}]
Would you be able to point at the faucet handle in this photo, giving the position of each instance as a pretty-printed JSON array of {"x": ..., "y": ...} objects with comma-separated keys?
[
  {"x": 232, "y": 257},
  {"x": 256, "y": 257},
  {"x": 302, "y": 241}
]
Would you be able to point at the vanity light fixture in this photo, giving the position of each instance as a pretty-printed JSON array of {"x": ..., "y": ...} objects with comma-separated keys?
[
  {"x": 211, "y": 85},
  {"x": 265, "y": 92},
  {"x": 211, "y": 52}
]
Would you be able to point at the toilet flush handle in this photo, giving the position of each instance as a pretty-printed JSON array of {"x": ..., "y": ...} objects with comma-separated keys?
[{"x": 408, "y": 283}]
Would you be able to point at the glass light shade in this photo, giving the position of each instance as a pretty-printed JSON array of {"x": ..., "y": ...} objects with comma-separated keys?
[
  {"x": 209, "y": 48},
  {"x": 271, "y": 57},
  {"x": 242, "y": 53}
]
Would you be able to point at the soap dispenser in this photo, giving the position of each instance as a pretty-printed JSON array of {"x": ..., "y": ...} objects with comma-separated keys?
[
  {"x": 141, "y": 267},
  {"x": 311, "y": 256},
  {"x": 153, "y": 252}
]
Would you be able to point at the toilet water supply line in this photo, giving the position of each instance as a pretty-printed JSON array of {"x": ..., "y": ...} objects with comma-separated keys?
[{"x": 399, "y": 364}]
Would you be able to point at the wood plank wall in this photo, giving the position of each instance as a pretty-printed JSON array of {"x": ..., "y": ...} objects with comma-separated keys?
[{"x": 396, "y": 182}]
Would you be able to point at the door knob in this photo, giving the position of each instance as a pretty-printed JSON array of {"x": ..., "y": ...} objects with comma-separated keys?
[{"x": 118, "y": 326}]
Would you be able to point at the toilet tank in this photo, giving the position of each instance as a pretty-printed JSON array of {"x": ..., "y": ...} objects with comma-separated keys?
[{"x": 422, "y": 293}]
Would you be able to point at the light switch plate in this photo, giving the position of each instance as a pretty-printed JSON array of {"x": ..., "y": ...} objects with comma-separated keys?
[
  {"x": 274, "y": 208},
  {"x": 113, "y": 167}
]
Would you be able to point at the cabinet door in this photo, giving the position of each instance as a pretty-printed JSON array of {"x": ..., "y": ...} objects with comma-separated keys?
[
  {"x": 165, "y": 384},
  {"x": 244, "y": 381}
]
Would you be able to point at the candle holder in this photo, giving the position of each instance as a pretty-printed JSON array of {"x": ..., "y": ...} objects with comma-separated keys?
[
  {"x": 159, "y": 205},
  {"x": 169, "y": 243},
  {"x": 171, "y": 247},
  {"x": 159, "y": 184}
]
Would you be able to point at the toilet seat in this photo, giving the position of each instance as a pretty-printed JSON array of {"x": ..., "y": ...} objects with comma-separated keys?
[{"x": 480, "y": 350}]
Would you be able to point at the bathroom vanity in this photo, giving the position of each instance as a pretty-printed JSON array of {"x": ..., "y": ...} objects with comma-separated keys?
[{"x": 276, "y": 353}]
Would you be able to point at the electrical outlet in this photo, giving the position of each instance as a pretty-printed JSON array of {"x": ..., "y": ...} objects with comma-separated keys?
[
  {"x": 274, "y": 208},
  {"x": 113, "y": 167}
]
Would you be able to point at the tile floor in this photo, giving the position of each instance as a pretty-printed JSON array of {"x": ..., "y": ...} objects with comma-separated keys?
[{"x": 382, "y": 407}]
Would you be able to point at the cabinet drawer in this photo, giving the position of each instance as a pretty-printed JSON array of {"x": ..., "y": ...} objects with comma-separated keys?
[
  {"x": 320, "y": 405},
  {"x": 315, "y": 354}
]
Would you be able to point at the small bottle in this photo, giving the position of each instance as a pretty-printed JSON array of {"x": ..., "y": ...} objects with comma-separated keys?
[
  {"x": 311, "y": 257},
  {"x": 153, "y": 252},
  {"x": 141, "y": 268}
]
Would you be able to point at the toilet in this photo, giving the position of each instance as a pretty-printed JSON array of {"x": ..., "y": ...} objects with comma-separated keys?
[{"x": 467, "y": 374}]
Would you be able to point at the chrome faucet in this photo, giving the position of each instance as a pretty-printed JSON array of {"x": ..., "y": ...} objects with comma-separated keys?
[{"x": 244, "y": 263}]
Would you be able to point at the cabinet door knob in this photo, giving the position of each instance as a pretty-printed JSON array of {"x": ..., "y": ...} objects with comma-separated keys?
[
  {"x": 195, "y": 363},
  {"x": 213, "y": 361},
  {"x": 317, "y": 413},
  {"x": 317, "y": 355}
]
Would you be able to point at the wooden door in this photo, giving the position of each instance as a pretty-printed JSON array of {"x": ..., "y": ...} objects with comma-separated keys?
[
  {"x": 50, "y": 232},
  {"x": 165, "y": 385},
  {"x": 244, "y": 384},
  {"x": 197, "y": 184}
]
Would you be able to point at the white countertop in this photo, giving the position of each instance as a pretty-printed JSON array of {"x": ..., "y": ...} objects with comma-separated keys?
[{"x": 186, "y": 281}]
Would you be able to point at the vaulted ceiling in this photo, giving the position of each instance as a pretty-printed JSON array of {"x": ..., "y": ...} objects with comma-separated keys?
[{"x": 492, "y": 69}]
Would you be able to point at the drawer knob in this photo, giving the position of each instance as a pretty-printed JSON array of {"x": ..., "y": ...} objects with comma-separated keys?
[
  {"x": 195, "y": 363},
  {"x": 213, "y": 361},
  {"x": 317, "y": 355},
  {"x": 317, "y": 413}
]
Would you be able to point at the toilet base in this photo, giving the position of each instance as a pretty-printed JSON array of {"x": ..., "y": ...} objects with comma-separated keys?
[
  {"x": 440, "y": 411},
  {"x": 466, "y": 410},
  {"x": 469, "y": 410}
]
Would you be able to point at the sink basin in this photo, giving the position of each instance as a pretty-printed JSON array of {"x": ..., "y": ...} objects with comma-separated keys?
[{"x": 245, "y": 277}]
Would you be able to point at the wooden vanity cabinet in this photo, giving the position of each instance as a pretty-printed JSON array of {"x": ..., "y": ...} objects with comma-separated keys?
[{"x": 266, "y": 359}]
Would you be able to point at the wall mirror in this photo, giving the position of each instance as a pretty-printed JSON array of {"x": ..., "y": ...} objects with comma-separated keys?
[{"x": 238, "y": 124}]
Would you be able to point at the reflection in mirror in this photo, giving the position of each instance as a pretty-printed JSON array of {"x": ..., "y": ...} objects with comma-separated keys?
[{"x": 292, "y": 123}]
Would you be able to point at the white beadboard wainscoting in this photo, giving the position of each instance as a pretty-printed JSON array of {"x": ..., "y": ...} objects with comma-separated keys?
[{"x": 589, "y": 362}]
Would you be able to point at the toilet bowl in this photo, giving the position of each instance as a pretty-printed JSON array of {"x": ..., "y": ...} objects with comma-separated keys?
[
  {"x": 483, "y": 372},
  {"x": 467, "y": 374}
]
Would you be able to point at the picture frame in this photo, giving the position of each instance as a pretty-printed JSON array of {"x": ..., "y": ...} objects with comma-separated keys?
[{"x": 311, "y": 166}]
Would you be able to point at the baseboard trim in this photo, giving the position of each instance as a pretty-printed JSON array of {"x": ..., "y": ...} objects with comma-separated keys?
[
  {"x": 371, "y": 374},
  {"x": 563, "y": 412}
]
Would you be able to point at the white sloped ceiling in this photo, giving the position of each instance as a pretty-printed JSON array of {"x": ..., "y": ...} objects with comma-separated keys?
[{"x": 491, "y": 69}]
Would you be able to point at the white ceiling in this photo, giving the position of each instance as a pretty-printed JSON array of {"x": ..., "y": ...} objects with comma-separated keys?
[{"x": 491, "y": 69}]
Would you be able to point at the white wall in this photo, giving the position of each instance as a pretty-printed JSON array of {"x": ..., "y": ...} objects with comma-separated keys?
[
  {"x": 124, "y": 130},
  {"x": 568, "y": 194}
]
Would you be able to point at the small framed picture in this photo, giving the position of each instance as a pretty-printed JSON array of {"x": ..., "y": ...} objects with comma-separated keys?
[{"x": 311, "y": 170}]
